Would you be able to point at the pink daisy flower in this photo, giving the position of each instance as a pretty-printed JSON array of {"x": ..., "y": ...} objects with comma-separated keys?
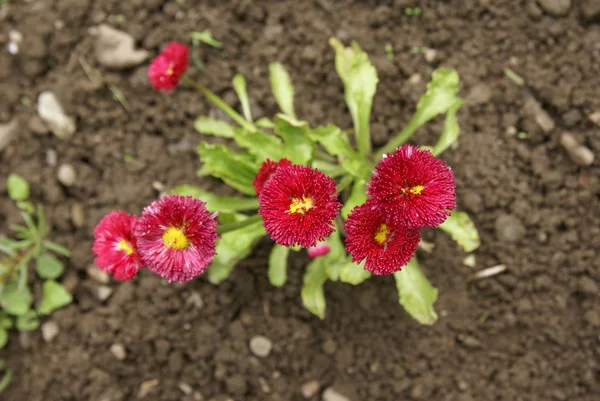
[
  {"x": 115, "y": 245},
  {"x": 166, "y": 69},
  {"x": 176, "y": 237},
  {"x": 267, "y": 169},
  {"x": 321, "y": 249},
  {"x": 414, "y": 187},
  {"x": 299, "y": 205},
  {"x": 386, "y": 245}
]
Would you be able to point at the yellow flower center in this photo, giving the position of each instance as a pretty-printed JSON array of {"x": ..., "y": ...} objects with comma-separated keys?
[
  {"x": 382, "y": 234},
  {"x": 170, "y": 71},
  {"x": 174, "y": 238},
  {"x": 416, "y": 190},
  {"x": 125, "y": 246},
  {"x": 301, "y": 205}
]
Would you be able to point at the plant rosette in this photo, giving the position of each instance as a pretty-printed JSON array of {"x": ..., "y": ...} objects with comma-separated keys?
[{"x": 357, "y": 211}]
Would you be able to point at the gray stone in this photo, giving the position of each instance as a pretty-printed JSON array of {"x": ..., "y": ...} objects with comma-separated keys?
[
  {"x": 310, "y": 389},
  {"x": 66, "y": 175},
  {"x": 52, "y": 113},
  {"x": 532, "y": 108},
  {"x": 77, "y": 215},
  {"x": 118, "y": 350},
  {"x": 8, "y": 132},
  {"x": 579, "y": 154},
  {"x": 556, "y": 8},
  {"x": 509, "y": 229},
  {"x": 479, "y": 94},
  {"x": 261, "y": 346},
  {"x": 588, "y": 286},
  {"x": 98, "y": 275},
  {"x": 590, "y": 10},
  {"x": 331, "y": 394},
  {"x": 104, "y": 292},
  {"x": 116, "y": 49},
  {"x": 49, "y": 330}
]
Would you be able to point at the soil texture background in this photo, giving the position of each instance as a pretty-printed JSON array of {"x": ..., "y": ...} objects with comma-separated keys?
[{"x": 530, "y": 333}]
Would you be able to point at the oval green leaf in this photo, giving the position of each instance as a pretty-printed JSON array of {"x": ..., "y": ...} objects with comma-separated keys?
[{"x": 48, "y": 267}]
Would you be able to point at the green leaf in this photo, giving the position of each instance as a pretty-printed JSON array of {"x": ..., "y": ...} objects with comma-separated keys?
[
  {"x": 213, "y": 126},
  {"x": 441, "y": 95},
  {"x": 26, "y": 206},
  {"x": 259, "y": 144},
  {"x": 278, "y": 265},
  {"x": 54, "y": 247},
  {"x": 18, "y": 187},
  {"x": 216, "y": 203},
  {"x": 312, "y": 293},
  {"x": 3, "y": 337},
  {"x": 5, "y": 381},
  {"x": 239, "y": 85},
  {"x": 415, "y": 293},
  {"x": 235, "y": 168},
  {"x": 297, "y": 145},
  {"x": 461, "y": 229},
  {"x": 264, "y": 122},
  {"x": 358, "y": 196},
  {"x": 206, "y": 37},
  {"x": 360, "y": 83},
  {"x": 233, "y": 247},
  {"x": 334, "y": 141},
  {"x": 16, "y": 302},
  {"x": 282, "y": 88},
  {"x": 5, "y": 321},
  {"x": 451, "y": 129},
  {"x": 28, "y": 321},
  {"x": 48, "y": 267},
  {"x": 54, "y": 296},
  {"x": 352, "y": 273}
]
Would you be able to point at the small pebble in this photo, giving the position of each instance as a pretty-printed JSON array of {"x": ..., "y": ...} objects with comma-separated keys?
[
  {"x": 51, "y": 157},
  {"x": 66, "y": 175},
  {"x": 49, "y": 331},
  {"x": 595, "y": 118},
  {"x": 579, "y": 154},
  {"x": 414, "y": 79},
  {"x": 261, "y": 346},
  {"x": 332, "y": 395},
  {"x": 104, "y": 292},
  {"x": 77, "y": 215},
  {"x": 509, "y": 229},
  {"x": 8, "y": 132},
  {"x": 52, "y": 113},
  {"x": 556, "y": 8},
  {"x": 186, "y": 388},
  {"x": 98, "y": 275},
  {"x": 430, "y": 55},
  {"x": 195, "y": 299},
  {"x": 147, "y": 387},
  {"x": 310, "y": 389},
  {"x": 470, "y": 261},
  {"x": 118, "y": 350}
]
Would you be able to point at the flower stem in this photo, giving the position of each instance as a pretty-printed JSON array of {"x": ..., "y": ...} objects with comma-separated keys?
[
  {"x": 217, "y": 101},
  {"x": 225, "y": 228}
]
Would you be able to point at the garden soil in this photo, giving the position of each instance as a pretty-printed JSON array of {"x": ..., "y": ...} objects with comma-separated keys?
[{"x": 530, "y": 333}]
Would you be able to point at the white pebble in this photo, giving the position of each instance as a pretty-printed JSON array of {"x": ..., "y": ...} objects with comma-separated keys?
[
  {"x": 66, "y": 175},
  {"x": 261, "y": 346},
  {"x": 49, "y": 331},
  {"x": 104, "y": 292},
  {"x": 118, "y": 350},
  {"x": 98, "y": 275},
  {"x": 51, "y": 111}
]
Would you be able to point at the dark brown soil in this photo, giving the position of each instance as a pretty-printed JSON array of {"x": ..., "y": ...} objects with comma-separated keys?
[{"x": 528, "y": 334}]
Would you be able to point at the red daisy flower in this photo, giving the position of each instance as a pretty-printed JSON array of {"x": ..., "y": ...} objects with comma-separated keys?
[
  {"x": 268, "y": 168},
  {"x": 115, "y": 245},
  {"x": 385, "y": 244},
  {"x": 321, "y": 249},
  {"x": 176, "y": 237},
  {"x": 299, "y": 205},
  {"x": 414, "y": 186},
  {"x": 166, "y": 69}
]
